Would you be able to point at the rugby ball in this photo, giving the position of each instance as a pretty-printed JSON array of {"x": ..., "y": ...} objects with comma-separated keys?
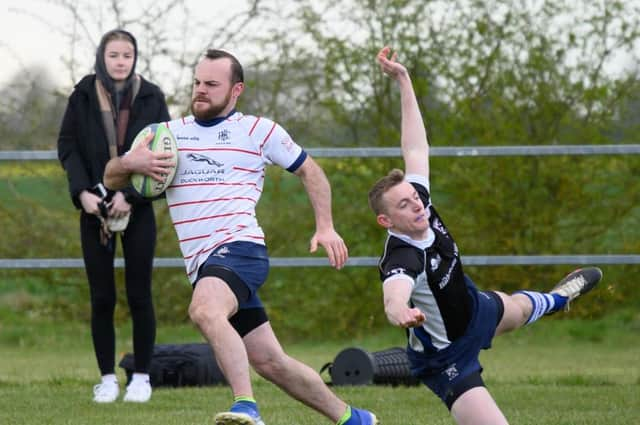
[{"x": 163, "y": 141}]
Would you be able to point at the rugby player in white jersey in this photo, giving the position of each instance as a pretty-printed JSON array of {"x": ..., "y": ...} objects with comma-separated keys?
[
  {"x": 425, "y": 289},
  {"x": 221, "y": 169}
]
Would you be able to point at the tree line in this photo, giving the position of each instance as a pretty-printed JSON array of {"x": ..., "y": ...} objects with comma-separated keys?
[{"x": 486, "y": 73}]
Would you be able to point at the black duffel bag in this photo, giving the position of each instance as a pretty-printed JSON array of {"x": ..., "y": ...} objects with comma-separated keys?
[{"x": 178, "y": 365}]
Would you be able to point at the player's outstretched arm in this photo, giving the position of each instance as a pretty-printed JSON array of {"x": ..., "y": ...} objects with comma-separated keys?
[
  {"x": 415, "y": 148},
  {"x": 319, "y": 191},
  {"x": 396, "y": 294},
  {"x": 139, "y": 160}
]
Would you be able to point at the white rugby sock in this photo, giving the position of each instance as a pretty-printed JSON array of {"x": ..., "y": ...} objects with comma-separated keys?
[{"x": 541, "y": 304}]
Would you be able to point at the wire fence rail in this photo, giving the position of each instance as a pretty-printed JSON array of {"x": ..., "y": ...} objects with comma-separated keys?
[
  {"x": 370, "y": 152},
  {"x": 471, "y": 260},
  {"x": 623, "y": 149}
]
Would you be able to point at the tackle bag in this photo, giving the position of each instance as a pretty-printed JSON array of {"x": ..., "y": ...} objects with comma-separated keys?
[
  {"x": 179, "y": 365},
  {"x": 355, "y": 366}
]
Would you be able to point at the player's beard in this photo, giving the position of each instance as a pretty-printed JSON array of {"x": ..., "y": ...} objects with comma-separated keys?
[{"x": 213, "y": 111}]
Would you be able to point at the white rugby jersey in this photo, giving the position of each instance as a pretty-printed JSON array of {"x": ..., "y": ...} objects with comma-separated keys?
[{"x": 219, "y": 180}]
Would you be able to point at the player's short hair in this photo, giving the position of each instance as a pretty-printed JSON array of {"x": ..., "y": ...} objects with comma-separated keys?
[
  {"x": 382, "y": 186},
  {"x": 237, "y": 73}
]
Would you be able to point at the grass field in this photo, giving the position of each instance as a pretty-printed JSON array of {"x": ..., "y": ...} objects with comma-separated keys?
[{"x": 555, "y": 372}]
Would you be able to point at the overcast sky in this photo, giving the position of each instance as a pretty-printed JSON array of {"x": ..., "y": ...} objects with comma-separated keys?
[
  {"x": 23, "y": 41},
  {"x": 26, "y": 41}
]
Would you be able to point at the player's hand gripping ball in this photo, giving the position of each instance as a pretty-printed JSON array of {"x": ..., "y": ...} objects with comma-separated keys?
[{"x": 163, "y": 141}]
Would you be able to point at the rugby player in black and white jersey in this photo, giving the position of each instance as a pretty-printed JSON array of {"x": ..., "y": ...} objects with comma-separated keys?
[{"x": 448, "y": 319}]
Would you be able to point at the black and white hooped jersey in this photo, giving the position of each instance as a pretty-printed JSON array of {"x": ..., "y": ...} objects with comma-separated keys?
[
  {"x": 434, "y": 269},
  {"x": 219, "y": 180}
]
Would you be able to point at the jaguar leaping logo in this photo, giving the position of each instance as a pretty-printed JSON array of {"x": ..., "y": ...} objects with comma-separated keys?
[{"x": 203, "y": 158}]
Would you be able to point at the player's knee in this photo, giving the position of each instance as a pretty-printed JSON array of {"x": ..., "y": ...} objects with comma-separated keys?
[
  {"x": 269, "y": 364},
  {"x": 200, "y": 313},
  {"x": 195, "y": 313},
  {"x": 521, "y": 307}
]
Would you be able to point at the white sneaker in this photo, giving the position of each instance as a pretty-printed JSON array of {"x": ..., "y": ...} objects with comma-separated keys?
[
  {"x": 138, "y": 392},
  {"x": 106, "y": 392}
]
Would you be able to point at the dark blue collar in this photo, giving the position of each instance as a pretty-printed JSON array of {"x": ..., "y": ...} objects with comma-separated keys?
[{"x": 214, "y": 121}]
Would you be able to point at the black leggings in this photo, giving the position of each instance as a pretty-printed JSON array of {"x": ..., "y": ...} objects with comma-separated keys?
[{"x": 138, "y": 246}]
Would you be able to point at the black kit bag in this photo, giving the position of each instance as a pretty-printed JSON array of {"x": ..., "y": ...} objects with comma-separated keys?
[{"x": 179, "y": 365}]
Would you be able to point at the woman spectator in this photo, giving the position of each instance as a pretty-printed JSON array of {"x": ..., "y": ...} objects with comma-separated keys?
[{"x": 104, "y": 113}]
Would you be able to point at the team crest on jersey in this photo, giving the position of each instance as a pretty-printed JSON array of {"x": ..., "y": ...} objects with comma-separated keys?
[
  {"x": 434, "y": 262},
  {"x": 451, "y": 372},
  {"x": 224, "y": 135}
]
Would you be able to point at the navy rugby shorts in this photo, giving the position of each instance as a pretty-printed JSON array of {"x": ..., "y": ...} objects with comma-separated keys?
[
  {"x": 244, "y": 266},
  {"x": 455, "y": 369}
]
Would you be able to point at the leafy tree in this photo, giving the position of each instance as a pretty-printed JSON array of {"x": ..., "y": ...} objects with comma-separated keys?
[
  {"x": 30, "y": 111},
  {"x": 486, "y": 72}
]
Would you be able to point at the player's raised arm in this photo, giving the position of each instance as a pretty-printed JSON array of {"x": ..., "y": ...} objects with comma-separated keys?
[{"x": 415, "y": 148}]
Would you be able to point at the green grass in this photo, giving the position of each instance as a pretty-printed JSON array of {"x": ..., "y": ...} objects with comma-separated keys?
[{"x": 555, "y": 372}]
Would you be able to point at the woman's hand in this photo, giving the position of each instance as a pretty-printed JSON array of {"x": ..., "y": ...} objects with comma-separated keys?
[
  {"x": 90, "y": 202},
  {"x": 119, "y": 207}
]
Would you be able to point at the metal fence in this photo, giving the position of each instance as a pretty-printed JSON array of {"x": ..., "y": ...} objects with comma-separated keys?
[
  {"x": 481, "y": 260},
  {"x": 631, "y": 149}
]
